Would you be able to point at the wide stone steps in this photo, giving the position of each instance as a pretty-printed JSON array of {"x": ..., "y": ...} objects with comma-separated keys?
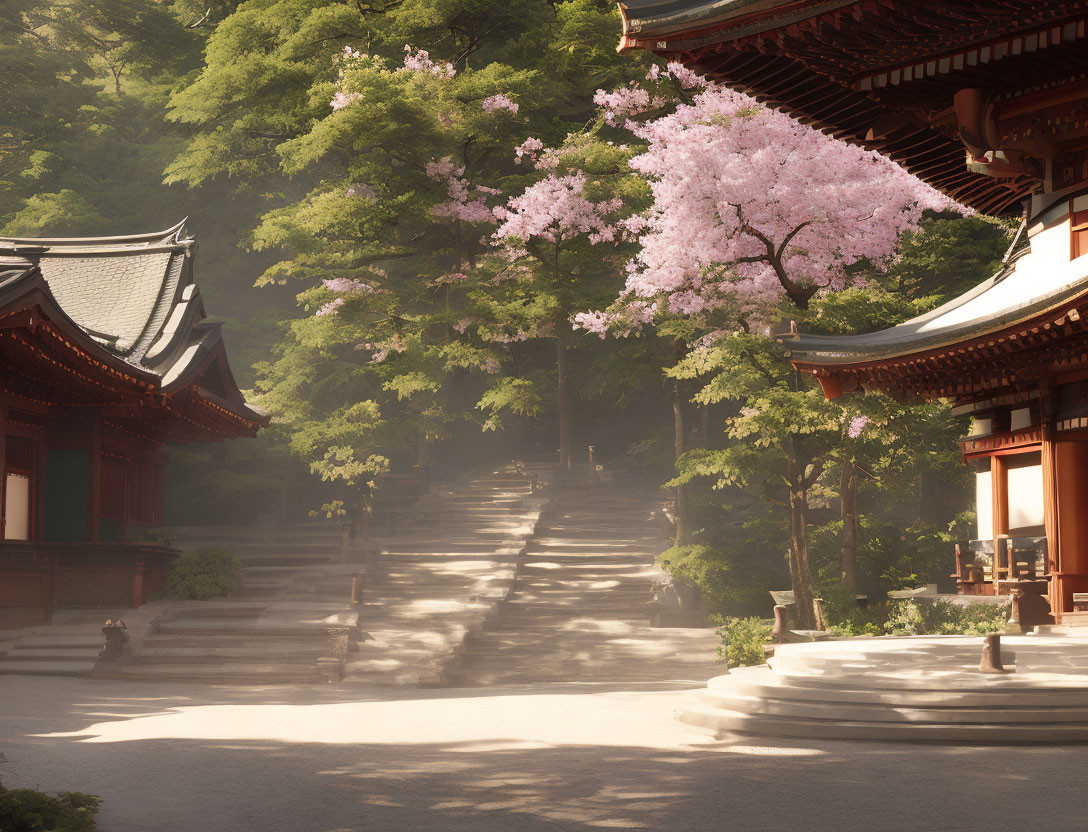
[
  {"x": 906, "y": 689},
  {"x": 582, "y": 605},
  {"x": 432, "y": 586},
  {"x": 68, "y": 647}
]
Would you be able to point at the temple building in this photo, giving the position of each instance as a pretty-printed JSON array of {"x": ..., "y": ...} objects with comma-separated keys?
[
  {"x": 986, "y": 100},
  {"x": 106, "y": 356}
]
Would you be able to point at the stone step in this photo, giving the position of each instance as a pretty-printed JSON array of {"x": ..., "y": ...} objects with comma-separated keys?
[
  {"x": 219, "y": 654},
  {"x": 60, "y": 641},
  {"x": 288, "y": 560},
  {"x": 722, "y": 722},
  {"x": 217, "y": 611},
  {"x": 47, "y": 668},
  {"x": 875, "y": 711},
  {"x": 50, "y": 654},
  {"x": 239, "y": 627},
  {"x": 243, "y": 673}
]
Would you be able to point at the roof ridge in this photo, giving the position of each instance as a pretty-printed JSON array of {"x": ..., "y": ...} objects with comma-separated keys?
[{"x": 172, "y": 235}]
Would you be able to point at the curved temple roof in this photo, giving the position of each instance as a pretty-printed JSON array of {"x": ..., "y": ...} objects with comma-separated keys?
[
  {"x": 1010, "y": 297},
  {"x": 133, "y": 300}
]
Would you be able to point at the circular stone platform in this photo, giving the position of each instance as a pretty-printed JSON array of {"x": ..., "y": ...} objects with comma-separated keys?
[{"x": 907, "y": 688}]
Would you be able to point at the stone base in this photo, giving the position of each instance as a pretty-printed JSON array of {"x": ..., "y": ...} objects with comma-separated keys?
[{"x": 907, "y": 689}]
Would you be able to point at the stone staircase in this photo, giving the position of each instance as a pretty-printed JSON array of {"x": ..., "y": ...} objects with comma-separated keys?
[
  {"x": 293, "y": 620},
  {"x": 432, "y": 586},
  {"x": 289, "y": 623},
  {"x": 67, "y": 647},
  {"x": 582, "y": 605},
  {"x": 906, "y": 689}
]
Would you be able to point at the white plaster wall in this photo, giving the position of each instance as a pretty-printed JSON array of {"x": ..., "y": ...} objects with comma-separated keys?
[
  {"x": 984, "y": 505},
  {"x": 1025, "y": 496},
  {"x": 1045, "y": 269}
]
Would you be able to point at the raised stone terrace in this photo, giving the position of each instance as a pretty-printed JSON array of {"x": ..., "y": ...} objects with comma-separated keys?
[{"x": 915, "y": 688}]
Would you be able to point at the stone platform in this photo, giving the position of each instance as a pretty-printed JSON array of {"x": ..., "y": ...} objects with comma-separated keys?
[{"x": 909, "y": 689}]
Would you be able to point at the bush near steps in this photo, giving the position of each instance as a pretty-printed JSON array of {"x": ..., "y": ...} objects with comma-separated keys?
[
  {"x": 203, "y": 574},
  {"x": 743, "y": 639}
]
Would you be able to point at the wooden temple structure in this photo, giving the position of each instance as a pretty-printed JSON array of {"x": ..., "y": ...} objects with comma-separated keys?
[
  {"x": 986, "y": 100},
  {"x": 106, "y": 356}
]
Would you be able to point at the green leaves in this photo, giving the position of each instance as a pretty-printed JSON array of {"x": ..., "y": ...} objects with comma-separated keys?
[{"x": 509, "y": 395}]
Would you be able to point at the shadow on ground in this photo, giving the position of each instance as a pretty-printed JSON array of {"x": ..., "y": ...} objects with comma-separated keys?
[{"x": 505, "y": 759}]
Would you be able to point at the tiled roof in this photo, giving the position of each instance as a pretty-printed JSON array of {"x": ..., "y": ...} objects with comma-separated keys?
[
  {"x": 134, "y": 296},
  {"x": 112, "y": 295}
]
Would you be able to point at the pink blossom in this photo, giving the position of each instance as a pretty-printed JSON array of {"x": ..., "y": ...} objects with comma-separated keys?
[
  {"x": 419, "y": 60},
  {"x": 347, "y": 286},
  {"x": 492, "y": 366},
  {"x": 343, "y": 99},
  {"x": 595, "y": 322},
  {"x": 384, "y": 348},
  {"x": 685, "y": 77},
  {"x": 466, "y": 202},
  {"x": 623, "y": 102},
  {"x": 330, "y": 307},
  {"x": 530, "y": 147},
  {"x": 499, "y": 102},
  {"x": 555, "y": 209},
  {"x": 728, "y": 174},
  {"x": 857, "y": 425},
  {"x": 463, "y": 325}
]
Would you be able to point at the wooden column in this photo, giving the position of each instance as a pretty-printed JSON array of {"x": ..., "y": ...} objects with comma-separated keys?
[
  {"x": 999, "y": 489},
  {"x": 94, "y": 486},
  {"x": 4, "y": 466},
  {"x": 38, "y": 484},
  {"x": 1051, "y": 511}
]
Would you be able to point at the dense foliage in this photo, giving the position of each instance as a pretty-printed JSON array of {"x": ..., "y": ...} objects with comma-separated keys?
[
  {"x": 743, "y": 640},
  {"x": 29, "y": 810},
  {"x": 204, "y": 574}
]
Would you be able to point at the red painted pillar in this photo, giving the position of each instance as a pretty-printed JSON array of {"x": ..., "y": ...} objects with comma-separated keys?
[{"x": 138, "y": 586}]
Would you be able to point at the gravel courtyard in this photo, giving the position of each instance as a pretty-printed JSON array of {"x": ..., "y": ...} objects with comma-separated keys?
[{"x": 525, "y": 759}]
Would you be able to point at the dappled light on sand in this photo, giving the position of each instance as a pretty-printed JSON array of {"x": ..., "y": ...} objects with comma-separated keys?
[{"x": 488, "y": 721}]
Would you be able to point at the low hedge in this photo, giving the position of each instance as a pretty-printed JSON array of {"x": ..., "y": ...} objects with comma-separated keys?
[{"x": 203, "y": 574}]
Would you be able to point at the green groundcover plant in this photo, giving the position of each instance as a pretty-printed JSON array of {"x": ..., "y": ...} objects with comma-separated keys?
[
  {"x": 203, "y": 574},
  {"x": 744, "y": 639},
  {"x": 28, "y": 810}
]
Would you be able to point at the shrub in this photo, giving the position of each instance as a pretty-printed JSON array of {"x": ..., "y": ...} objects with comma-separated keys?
[
  {"x": 727, "y": 588},
  {"x": 743, "y": 640},
  {"x": 28, "y": 810},
  {"x": 913, "y": 618},
  {"x": 206, "y": 573}
]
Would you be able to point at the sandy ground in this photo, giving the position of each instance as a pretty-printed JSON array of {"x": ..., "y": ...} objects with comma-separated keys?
[{"x": 170, "y": 758}]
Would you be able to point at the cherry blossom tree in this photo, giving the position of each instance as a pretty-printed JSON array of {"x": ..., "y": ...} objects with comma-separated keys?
[
  {"x": 543, "y": 232},
  {"x": 753, "y": 215},
  {"x": 753, "y": 206}
]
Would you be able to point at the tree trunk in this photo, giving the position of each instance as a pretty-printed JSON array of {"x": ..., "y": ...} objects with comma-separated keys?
[
  {"x": 848, "y": 497},
  {"x": 800, "y": 574},
  {"x": 683, "y": 531},
  {"x": 562, "y": 337}
]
